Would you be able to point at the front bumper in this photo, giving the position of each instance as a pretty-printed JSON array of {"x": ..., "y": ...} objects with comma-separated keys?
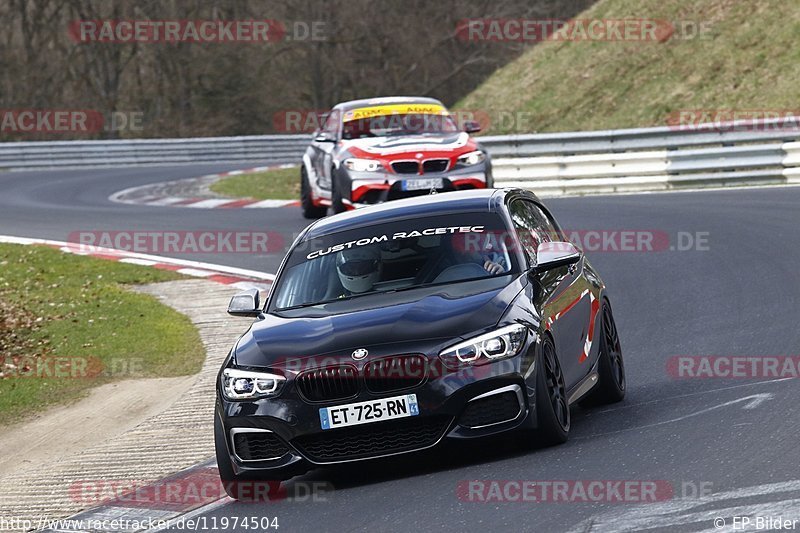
[
  {"x": 287, "y": 436},
  {"x": 368, "y": 188}
]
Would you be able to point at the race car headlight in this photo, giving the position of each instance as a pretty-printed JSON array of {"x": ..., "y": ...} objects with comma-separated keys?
[
  {"x": 362, "y": 165},
  {"x": 472, "y": 158},
  {"x": 499, "y": 344},
  {"x": 245, "y": 385}
]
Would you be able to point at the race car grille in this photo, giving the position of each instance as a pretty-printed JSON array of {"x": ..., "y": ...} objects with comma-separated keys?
[
  {"x": 406, "y": 167},
  {"x": 326, "y": 384},
  {"x": 258, "y": 446},
  {"x": 435, "y": 165},
  {"x": 490, "y": 410},
  {"x": 372, "y": 440},
  {"x": 395, "y": 373}
]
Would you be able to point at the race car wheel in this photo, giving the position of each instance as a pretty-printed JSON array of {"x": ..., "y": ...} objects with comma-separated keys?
[
  {"x": 238, "y": 487},
  {"x": 336, "y": 202},
  {"x": 610, "y": 387},
  {"x": 552, "y": 405},
  {"x": 306, "y": 202}
]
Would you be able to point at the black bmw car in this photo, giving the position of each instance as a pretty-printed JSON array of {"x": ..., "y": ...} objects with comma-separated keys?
[{"x": 391, "y": 328}]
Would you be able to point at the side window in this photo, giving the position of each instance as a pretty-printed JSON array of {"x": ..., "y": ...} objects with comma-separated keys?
[{"x": 532, "y": 225}]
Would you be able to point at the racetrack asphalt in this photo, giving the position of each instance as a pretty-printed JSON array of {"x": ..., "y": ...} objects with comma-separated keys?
[{"x": 737, "y": 296}]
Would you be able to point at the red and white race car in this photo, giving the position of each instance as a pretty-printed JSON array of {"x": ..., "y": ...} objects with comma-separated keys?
[{"x": 374, "y": 150}]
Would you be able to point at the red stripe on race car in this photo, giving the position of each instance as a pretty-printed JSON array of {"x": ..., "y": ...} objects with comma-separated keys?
[
  {"x": 358, "y": 192},
  {"x": 451, "y": 154}
]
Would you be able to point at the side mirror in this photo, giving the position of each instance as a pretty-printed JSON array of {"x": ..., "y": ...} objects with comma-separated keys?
[
  {"x": 470, "y": 126},
  {"x": 323, "y": 137},
  {"x": 245, "y": 303},
  {"x": 550, "y": 255}
]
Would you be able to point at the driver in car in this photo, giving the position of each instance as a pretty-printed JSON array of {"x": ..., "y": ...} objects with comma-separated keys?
[
  {"x": 358, "y": 269},
  {"x": 491, "y": 266}
]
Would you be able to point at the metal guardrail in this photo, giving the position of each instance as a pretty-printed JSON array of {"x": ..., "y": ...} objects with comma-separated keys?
[
  {"x": 737, "y": 153},
  {"x": 623, "y": 140},
  {"x": 665, "y": 158},
  {"x": 276, "y": 149}
]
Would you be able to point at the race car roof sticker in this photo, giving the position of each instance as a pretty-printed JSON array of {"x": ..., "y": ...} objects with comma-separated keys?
[{"x": 394, "y": 109}]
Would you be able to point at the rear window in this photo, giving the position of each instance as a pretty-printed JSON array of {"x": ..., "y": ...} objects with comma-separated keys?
[{"x": 400, "y": 255}]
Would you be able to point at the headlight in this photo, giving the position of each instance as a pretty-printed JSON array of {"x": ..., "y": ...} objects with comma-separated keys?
[
  {"x": 245, "y": 385},
  {"x": 362, "y": 165},
  {"x": 499, "y": 344},
  {"x": 472, "y": 158}
]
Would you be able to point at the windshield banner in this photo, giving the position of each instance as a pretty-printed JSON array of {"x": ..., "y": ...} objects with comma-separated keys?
[
  {"x": 395, "y": 236},
  {"x": 394, "y": 109}
]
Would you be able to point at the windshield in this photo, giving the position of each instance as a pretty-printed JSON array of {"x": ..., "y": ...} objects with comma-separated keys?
[
  {"x": 395, "y": 256},
  {"x": 398, "y": 119},
  {"x": 386, "y": 125}
]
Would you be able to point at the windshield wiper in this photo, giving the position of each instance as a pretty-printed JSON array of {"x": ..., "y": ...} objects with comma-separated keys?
[{"x": 313, "y": 304}]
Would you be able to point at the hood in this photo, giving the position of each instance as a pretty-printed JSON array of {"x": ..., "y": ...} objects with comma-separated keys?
[
  {"x": 443, "y": 145},
  {"x": 440, "y": 314}
]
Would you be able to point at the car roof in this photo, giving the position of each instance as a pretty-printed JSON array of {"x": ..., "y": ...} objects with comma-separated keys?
[
  {"x": 488, "y": 200},
  {"x": 386, "y": 100}
]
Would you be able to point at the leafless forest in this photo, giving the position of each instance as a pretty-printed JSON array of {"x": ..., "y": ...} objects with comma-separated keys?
[{"x": 365, "y": 48}]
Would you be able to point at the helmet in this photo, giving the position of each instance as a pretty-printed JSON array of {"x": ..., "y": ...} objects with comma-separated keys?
[{"x": 358, "y": 268}]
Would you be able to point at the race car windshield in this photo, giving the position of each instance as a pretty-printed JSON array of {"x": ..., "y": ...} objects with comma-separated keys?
[
  {"x": 399, "y": 124},
  {"x": 396, "y": 256}
]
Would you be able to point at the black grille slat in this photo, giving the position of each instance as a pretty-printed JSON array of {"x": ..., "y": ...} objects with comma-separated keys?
[
  {"x": 490, "y": 410},
  {"x": 435, "y": 165},
  {"x": 327, "y": 384},
  {"x": 371, "y": 440},
  {"x": 395, "y": 373},
  {"x": 258, "y": 446},
  {"x": 406, "y": 167}
]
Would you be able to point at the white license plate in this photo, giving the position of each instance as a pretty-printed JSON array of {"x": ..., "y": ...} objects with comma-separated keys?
[
  {"x": 416, "y": 185},
  {"x": 354, "y": 414}
]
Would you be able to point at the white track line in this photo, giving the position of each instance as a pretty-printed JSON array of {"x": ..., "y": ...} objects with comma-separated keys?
[{"x": 222, "y": 269}]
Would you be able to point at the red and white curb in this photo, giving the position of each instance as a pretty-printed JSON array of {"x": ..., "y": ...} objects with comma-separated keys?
[
  {"x": 238, "y": 277},
  {"x": 149, "y": 194}
]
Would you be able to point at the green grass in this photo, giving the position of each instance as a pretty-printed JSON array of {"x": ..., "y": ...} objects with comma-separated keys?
[
  {"x": 748, "y": 59},
  {"x": 276, "y": 184},
  {"x": 77, "y": 310}
]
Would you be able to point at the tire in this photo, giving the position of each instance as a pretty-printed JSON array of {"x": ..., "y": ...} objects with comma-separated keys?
[
  {"x": 310, "y": 210},
  {"x": 552, "y": 404},
  {"x": 611, "y": 384},
  {"x": 336, "y": 202},
  {"x": 239, "y": 487}
]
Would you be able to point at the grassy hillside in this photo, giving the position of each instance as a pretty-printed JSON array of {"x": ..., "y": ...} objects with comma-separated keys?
[{"x": 748, "y": 58}]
